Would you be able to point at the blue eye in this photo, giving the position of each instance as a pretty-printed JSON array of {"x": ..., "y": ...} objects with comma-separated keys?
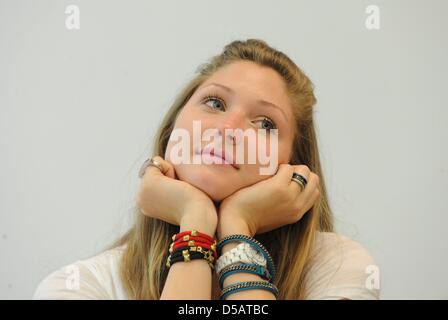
[
  {"x": 214, "y": 99},
  {"x": 267, "y": 124}
]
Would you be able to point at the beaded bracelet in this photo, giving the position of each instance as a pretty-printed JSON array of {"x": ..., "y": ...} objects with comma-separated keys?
[
  {"x": 181, "y": 258},
  {"x": 248, "y": 285},
  {"x": 188, "y": 238},
  {"x": 209, "y": 255},
  {"x": 252, "y": 241},
  {"x": 191, "y": 243},
  {"x": 243, "y": 268},
  {"x": 188, "y": 254},
  {"x": 187, "y": 235}
]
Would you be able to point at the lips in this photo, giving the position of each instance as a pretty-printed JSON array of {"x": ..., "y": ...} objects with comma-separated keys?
[{"x": 227, "y": 158}]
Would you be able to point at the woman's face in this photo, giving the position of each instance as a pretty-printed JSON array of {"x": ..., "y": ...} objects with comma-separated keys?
[{"x": 229, "y": 99}]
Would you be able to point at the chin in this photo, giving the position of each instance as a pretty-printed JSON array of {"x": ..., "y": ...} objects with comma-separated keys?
[{"x": 212, "y": 181}]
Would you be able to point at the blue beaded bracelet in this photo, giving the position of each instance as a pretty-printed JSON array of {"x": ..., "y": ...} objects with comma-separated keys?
[
  {"x": 252, "y": 241},
  {"x": 243, "y": 268},
  {"x": 248, "y": 285}
]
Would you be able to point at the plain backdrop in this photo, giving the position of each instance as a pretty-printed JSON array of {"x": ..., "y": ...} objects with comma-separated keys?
[{"x": 79, "y": 109}]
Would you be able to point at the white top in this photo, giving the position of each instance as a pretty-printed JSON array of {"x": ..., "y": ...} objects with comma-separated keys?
[{"x": 340, "y": 268}]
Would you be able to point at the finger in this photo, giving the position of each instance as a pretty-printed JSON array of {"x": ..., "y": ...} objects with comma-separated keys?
[
  {"x": 304, "y": 171},
  {"x": 167, "y": 168},
  {"x": 303, "y": 208},
  {"x": 307, "y": 198},
  {"x": 311, "y": 201},
  {"x": 284, "y": 173}
]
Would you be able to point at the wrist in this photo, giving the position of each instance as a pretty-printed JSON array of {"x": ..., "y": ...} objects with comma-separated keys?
[
  {"x": 228, "y": 227},
  {"x": 225, "y": 230},
  {"x": 200, "y": 221}
]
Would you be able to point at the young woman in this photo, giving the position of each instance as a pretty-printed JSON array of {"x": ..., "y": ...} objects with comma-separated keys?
[{"x": 283, "y": 244}]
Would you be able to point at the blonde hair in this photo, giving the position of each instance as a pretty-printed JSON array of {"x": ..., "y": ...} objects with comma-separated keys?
[{"x": 143, "y": 269}]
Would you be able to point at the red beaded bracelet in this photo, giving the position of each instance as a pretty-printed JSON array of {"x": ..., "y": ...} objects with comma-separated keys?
[
  {"x": 192, "y": 240},
  {"x": 189, "y": 238},
  {"x": 187, "y": 235},
  {"x": 193, "y": 243}
]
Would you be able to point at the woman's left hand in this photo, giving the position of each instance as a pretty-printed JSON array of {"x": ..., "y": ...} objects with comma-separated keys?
[{"x": 268, "y": 204}]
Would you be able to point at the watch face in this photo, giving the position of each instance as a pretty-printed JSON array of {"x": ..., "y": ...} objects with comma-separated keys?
[
  {"x": 259, "y": 260},
  {"x": 256, "y": 256}
]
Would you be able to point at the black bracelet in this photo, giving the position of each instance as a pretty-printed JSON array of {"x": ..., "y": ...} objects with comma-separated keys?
[
  {"x": 207, "y": 254},
  {"x": 185, "y": 256}
]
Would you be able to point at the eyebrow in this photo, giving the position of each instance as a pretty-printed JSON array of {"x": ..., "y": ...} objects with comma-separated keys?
[{"x": 263, "y": 102}]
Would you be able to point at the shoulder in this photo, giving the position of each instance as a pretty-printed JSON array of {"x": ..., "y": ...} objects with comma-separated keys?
[
  {"x": 340, "y": 267},
  {"x": 93, "y": 278}
]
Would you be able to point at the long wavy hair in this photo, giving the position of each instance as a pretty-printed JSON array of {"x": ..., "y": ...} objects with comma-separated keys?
[{"x": 142, "y": 266}]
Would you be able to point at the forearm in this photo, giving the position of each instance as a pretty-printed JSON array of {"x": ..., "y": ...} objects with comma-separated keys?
[
  {"x": 254, "y": 294},
  {"x": 190, "y": 280}
]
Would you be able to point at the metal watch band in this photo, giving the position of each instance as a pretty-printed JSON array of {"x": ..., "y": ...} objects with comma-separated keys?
[{"x": 242, "y": 253}]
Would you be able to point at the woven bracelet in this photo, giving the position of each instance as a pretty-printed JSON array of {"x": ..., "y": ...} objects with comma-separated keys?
[
  {"x": 248, "y": 285},
  {"x": 243, "y": 268}
]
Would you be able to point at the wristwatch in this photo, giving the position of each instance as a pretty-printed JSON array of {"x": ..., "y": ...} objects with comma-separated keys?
[{"x": 243, "y": 253}]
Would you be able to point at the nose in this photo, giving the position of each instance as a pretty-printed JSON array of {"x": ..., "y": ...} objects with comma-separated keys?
[{"x": 228, "y": 125}]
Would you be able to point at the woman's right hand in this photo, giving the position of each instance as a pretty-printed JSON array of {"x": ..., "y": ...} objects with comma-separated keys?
[{"x": 163, "y": 196}]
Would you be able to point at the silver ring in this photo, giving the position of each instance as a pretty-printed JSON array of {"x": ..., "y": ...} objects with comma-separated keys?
[
  {"x": 300, "y": 180},
  {"x": 147, "y": 163}
]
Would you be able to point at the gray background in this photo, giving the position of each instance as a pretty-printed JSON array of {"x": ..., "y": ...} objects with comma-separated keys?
[{"x": 78, "y": 110}]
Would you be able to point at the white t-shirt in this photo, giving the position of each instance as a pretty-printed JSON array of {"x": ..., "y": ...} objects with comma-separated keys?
[{"x": 340, "y": 268}]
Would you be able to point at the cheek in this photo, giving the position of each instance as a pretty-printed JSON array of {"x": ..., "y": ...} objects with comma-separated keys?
[
  {"x": 269, "y": 154},
  {"x": 284, "y": 152},
  {"x": 181, "y": 134},
  {"x": 278, "y": 148},
  {"x": 272, "y": 148}
]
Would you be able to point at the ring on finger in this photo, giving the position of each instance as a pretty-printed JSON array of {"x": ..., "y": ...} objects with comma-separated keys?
[
  {"x": 147, "y": 163},
  {"x": 301, "y": 180}
]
